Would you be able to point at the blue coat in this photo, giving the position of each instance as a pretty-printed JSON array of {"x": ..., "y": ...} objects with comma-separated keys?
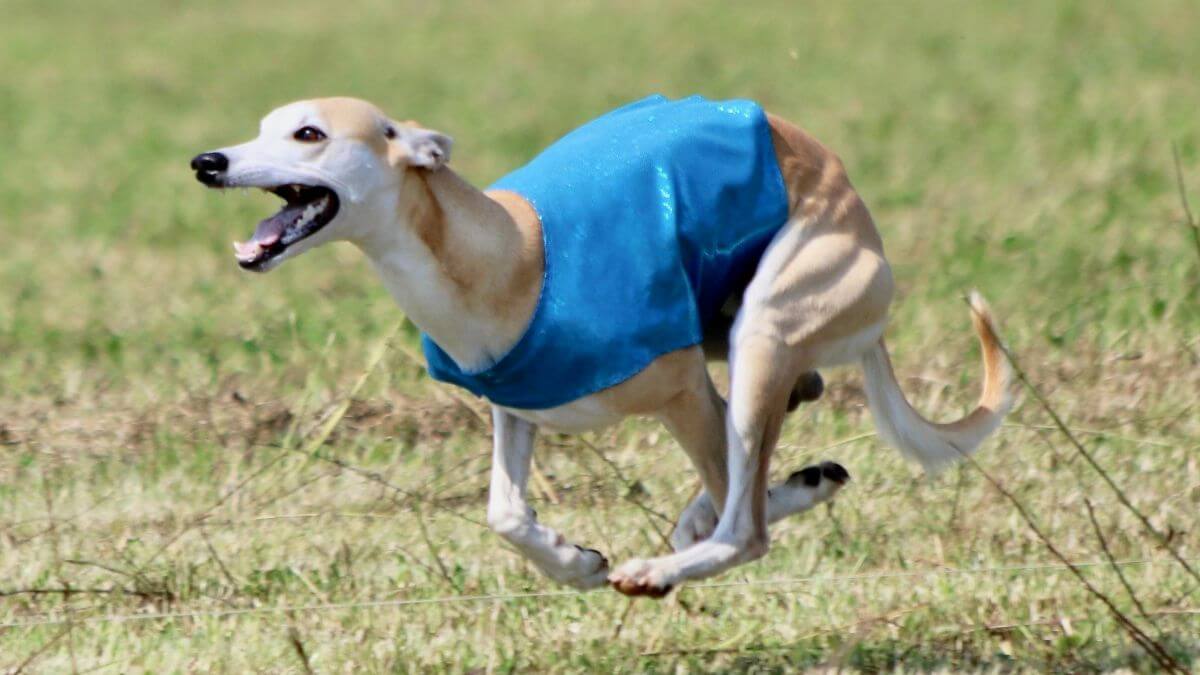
[{"x": 651, "y": 215}]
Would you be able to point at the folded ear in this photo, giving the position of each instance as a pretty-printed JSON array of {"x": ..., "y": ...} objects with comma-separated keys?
[{"x": 409, "y": 144}]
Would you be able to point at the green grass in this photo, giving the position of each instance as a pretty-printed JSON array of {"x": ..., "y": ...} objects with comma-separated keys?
[{"x": 150, "y": 392}]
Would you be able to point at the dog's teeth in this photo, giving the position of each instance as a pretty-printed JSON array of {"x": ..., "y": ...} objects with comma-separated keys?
[{"x": 247, "y": 250}]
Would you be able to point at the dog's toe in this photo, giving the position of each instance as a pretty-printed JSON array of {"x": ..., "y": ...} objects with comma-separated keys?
[
  {"x": 590, "y": 571},
  {"x": 637, "y": 588},
  {"x": 809, "y": 476},
  {"x": 639, "y": 578},
  {"x": 835, "y": 472},
  {"x": 601, "y": 562},
  {"x": 814, "y": 476}
]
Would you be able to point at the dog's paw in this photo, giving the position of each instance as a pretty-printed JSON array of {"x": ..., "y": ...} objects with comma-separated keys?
[
  {"x": 826, "y": 477},
  {"x": 805, "y": 489},
  {"x": 588, "y": 570},
  {"x": 640, "y": 578}
]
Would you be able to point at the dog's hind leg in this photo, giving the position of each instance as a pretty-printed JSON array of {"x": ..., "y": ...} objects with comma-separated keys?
[
  {"x": 819, "y": 297},
  {"x": 804, "y": 489},
  {"x": 763, "y": 370},
  {"x": 511, "y": 517},
  {"x": 809, "y": 386},
  {"x": 696, "y": 418}
]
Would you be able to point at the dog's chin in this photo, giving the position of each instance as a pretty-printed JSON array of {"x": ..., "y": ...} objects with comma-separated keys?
[
  {"x": 267, "y": 264},
  {"x": 307, "y": 210}
]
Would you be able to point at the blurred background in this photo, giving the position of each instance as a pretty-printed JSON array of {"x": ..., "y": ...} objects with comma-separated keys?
[{"x": 160, "y": 409}]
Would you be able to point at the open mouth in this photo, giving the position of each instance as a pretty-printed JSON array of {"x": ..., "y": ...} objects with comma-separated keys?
[{"x": 306, "y": 209}]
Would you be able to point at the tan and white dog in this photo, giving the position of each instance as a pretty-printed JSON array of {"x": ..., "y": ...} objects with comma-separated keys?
[{"x": 466, "y": 266}]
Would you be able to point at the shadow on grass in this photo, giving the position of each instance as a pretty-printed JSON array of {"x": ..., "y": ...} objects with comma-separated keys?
[{"x": 1037, "y": 651}]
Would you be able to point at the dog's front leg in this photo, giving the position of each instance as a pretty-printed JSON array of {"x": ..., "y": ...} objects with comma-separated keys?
[{"x": 511, "y": 517}]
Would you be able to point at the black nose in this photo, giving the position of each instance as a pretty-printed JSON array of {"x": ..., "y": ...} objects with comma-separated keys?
[
  {"x": 210, "y": 161},
  {"x": 208, "y": 165}
]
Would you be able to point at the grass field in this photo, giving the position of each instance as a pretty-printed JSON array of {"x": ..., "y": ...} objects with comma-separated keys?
[{"x": 167, "y": 443}]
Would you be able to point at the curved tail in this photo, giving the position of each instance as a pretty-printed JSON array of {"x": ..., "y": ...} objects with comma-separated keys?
[{"x": 934, "y": 445}]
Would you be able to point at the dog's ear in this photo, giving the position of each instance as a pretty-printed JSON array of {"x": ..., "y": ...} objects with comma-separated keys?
[{"x": 411, "y": 145}]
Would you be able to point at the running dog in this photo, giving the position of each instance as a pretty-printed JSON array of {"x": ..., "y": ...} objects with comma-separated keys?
[{"x": 597, "y": 281}]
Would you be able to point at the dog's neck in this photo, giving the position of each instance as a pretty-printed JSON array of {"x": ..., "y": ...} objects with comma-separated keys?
[{"x": 465, "y": 266}]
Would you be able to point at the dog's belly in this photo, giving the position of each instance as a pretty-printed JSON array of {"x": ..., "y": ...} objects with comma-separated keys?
[
  {"x": 585, "y": 414},
  {"x": 643, "y": 394}
]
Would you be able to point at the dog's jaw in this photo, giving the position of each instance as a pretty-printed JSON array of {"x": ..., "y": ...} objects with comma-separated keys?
[{"x": 307, "y": 210}]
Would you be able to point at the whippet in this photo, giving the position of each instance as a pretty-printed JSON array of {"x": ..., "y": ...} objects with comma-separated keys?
[{"x": 594, "y": 284}]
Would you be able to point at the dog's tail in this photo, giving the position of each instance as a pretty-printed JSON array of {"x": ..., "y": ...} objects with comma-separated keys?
[{"x": 937, "y": 445}]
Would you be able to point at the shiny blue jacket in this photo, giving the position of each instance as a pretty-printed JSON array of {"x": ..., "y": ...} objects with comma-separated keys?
[{"x": 651, "y": 216}]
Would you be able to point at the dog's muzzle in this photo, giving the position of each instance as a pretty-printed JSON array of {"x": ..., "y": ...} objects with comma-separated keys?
[
  {"x": 209, "y": 167},
  {"x": 306, "y": 209}
]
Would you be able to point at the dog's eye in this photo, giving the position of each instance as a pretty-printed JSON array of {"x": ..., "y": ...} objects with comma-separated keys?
[
  {"x": 309, "y": 135},
  {"x": 389, "y": 133}
]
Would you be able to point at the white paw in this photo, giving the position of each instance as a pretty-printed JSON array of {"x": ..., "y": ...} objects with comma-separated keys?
[
  {"x": 566, "y": 563},
  {"x": 573, "y": 565},
  {"x": 641, "y": 577},
  {"x": 585, "y": 569}
]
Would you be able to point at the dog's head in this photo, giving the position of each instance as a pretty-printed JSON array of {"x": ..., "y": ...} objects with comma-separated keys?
[{"x": 337, "y": 163}]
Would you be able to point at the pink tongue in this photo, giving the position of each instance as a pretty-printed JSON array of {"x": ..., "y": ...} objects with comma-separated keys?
[{"x": 271, "y": 229}]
